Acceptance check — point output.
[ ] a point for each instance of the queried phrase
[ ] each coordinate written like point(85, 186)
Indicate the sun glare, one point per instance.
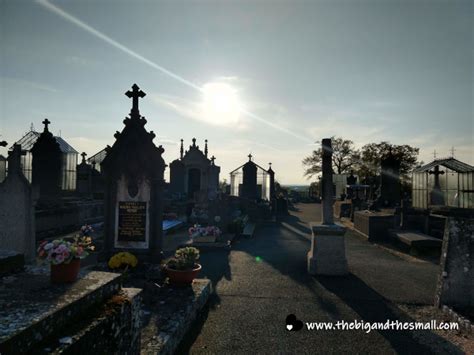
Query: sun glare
point(221, 104)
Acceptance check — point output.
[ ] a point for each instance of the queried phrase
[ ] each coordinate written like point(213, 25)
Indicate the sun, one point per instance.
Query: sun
point(221, 104)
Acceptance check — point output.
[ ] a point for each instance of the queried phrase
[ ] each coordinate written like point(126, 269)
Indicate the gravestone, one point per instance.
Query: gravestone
point(84, 178)
point(436, 195)
point(177, 173)
point(327, 255)
point(17, 217)
point(351, 180)
point(133, 170)
point(249, 183)
point(46, 165)
point(390, 192)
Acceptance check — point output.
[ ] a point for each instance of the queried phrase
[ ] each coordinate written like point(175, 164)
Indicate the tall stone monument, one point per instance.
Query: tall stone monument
point(17, 217)
point(46, 165)
point(133, 170)
point(249, 183)
point(390, 190)
point(327, 255)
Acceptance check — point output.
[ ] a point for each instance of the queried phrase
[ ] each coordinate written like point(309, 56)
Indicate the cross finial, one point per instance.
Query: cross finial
point(3, 143)
point(270, 164)
point(83, 157)
point(194, 142)
point(46, 123)
point(250, 157)
point(452, 152)
point(205, 148)
point(212, 159)
point(134, 94)
point(181, 151)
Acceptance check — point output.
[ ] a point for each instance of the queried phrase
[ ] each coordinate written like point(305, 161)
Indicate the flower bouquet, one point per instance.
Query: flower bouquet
point(204, 234)
point(64, 256)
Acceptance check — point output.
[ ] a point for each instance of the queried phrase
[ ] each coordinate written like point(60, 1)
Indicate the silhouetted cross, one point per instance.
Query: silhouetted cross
point(83, 157)
point(250, 157)
point(46, 122)
point(3, 143)
point(194, 142)
point(212, 159)
point(135, 94)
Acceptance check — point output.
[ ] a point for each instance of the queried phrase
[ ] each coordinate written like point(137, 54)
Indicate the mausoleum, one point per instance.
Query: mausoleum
point(443, 182)
point(194, 171)
point(251, 181)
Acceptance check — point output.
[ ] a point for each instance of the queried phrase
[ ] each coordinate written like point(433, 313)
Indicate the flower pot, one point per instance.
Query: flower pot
point(183, 277)
point(65, 273)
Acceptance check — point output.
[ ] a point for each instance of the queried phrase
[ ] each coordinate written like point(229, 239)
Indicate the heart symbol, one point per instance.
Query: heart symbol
point(292, 323)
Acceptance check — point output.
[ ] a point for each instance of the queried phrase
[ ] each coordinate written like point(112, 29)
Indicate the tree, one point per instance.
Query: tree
point(344, 158)
point(373, 153)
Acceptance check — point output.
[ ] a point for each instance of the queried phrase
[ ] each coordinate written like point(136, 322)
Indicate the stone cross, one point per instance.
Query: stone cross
point(83, 155)
point(181, 151)
point(14, 160)
point(135, 94)
point(328, 201)
point(46, 122)
point(212, 159)
point(270, 166)
point(436, 172)
point(194, 142)
point(250, 157)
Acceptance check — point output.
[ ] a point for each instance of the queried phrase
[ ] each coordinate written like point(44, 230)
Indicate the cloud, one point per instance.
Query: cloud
point(27, 84)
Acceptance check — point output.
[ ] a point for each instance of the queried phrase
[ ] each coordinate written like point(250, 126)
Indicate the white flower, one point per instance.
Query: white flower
point(48, 246)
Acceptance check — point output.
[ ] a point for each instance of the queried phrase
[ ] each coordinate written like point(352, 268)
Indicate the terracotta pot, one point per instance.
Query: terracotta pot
point(65, 273)
point(183, 277)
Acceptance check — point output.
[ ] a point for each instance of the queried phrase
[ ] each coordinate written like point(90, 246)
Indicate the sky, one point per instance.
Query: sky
point(271, 78)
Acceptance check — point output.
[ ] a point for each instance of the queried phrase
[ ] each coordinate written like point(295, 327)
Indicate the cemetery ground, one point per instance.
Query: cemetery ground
point(263, 279)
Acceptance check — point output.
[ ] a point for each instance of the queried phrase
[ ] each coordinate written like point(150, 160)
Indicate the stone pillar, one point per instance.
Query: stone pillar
point(17, 211)
point(327, 255)
point(456, 278)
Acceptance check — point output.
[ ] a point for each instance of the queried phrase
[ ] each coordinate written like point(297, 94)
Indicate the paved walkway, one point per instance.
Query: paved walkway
point(262, 280)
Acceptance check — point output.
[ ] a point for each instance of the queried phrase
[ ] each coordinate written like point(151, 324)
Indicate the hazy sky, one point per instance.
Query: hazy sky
point(290, 73)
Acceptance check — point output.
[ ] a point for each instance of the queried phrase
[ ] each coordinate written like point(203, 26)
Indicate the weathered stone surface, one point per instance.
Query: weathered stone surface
point(114, 328)
point(456, 279)
point(17, 219)
point(171, 316)
point(328, 254)
point(31, 308)
point(374, 225)
point(11, 261)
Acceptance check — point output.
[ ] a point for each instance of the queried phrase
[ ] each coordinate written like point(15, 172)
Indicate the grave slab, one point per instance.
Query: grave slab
point(31, 308)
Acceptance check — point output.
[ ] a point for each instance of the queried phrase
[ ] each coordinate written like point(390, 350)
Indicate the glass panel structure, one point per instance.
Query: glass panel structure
point(263, 182)
point(69, 159)
point(456, 182)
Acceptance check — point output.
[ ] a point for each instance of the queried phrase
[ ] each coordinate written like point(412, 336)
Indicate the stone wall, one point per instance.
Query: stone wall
point(456, 279)
point(67, 218)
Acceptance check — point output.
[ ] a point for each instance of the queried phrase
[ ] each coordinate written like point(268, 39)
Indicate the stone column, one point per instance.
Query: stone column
point(327, 255)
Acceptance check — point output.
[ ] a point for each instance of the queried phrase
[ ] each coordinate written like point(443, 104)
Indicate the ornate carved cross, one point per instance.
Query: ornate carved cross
point(135, 94)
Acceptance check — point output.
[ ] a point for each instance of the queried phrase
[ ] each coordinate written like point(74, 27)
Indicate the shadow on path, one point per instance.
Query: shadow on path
point(372, 307)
